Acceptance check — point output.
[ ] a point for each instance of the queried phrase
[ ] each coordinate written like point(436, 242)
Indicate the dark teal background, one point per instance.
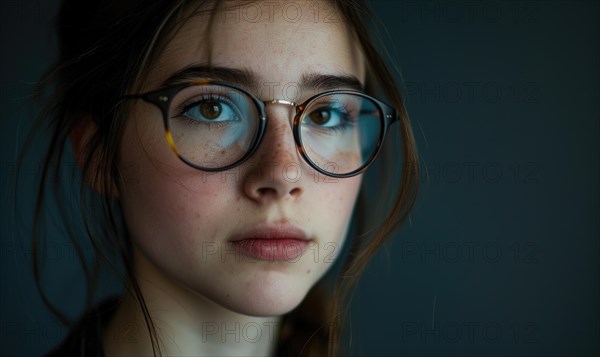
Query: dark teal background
point(503, 254)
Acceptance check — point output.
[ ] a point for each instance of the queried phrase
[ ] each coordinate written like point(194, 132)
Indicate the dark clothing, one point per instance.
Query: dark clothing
point(86, 338)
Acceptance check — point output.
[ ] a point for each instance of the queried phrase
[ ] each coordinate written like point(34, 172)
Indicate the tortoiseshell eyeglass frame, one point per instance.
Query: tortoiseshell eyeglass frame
point(162, 99)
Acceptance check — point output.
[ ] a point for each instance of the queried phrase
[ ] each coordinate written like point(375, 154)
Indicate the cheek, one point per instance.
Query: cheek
point(331, 210)
point(165, 205)
point(161, 196)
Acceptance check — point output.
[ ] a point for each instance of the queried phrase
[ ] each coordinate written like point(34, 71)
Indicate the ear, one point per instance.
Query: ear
point(81, 134)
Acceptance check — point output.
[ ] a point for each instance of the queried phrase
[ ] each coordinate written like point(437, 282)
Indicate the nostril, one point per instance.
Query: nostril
point(295, 192)
point(270, 191)
point(267, 191)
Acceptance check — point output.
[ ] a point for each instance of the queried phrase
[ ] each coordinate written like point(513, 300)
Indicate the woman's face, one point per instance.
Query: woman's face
point(256, 238)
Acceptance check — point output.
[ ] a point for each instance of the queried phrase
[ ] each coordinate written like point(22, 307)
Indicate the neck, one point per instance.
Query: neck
point(186, 323)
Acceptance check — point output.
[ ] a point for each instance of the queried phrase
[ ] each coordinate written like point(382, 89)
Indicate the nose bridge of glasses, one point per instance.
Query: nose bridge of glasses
point(280, 101)
point(284, 102)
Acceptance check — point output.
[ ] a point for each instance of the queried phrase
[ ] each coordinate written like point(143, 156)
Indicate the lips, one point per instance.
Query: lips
point(269, 242)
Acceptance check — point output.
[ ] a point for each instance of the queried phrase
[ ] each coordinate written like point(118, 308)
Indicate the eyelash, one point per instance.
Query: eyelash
point(346, 119)
point(190, 103)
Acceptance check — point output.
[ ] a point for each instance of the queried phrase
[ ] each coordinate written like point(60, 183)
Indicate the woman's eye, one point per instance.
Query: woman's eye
point(327, 118)
point(320, 117)
point(211, 110)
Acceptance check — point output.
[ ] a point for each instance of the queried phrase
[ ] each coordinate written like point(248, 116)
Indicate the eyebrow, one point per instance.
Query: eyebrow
point(319, 81)
point(249, 79)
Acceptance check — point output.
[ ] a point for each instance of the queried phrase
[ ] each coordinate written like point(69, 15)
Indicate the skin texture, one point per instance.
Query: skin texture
point(181, 220)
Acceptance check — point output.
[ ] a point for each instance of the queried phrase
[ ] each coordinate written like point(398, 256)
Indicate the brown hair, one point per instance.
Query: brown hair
point(105, 47)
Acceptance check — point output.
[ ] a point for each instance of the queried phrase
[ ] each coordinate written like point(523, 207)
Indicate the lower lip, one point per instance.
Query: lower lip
point(272, 249)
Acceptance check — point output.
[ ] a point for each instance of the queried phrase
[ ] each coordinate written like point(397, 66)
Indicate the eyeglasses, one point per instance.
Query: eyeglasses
point(215, 126)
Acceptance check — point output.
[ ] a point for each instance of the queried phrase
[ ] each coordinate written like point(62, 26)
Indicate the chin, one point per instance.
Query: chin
point(274, 296)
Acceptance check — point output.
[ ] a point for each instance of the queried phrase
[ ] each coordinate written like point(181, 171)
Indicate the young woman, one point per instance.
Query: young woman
point(225, 144)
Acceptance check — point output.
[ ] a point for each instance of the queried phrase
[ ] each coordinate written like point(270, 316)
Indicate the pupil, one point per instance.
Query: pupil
point(320, 117)
point(210, 110)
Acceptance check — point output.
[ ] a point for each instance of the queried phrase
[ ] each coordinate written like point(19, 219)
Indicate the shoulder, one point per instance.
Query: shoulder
point(85, 339)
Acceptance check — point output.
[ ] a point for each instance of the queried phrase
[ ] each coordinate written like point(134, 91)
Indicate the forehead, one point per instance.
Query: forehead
point(277, 41)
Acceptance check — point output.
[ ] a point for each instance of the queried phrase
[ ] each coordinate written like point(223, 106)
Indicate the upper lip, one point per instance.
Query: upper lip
point(272, 231)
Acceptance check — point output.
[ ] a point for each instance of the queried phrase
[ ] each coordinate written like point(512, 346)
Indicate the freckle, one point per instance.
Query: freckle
point(228, 296)
point(308, 271)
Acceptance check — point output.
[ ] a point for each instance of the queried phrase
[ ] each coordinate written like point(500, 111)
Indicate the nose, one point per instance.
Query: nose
point(275, 170)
